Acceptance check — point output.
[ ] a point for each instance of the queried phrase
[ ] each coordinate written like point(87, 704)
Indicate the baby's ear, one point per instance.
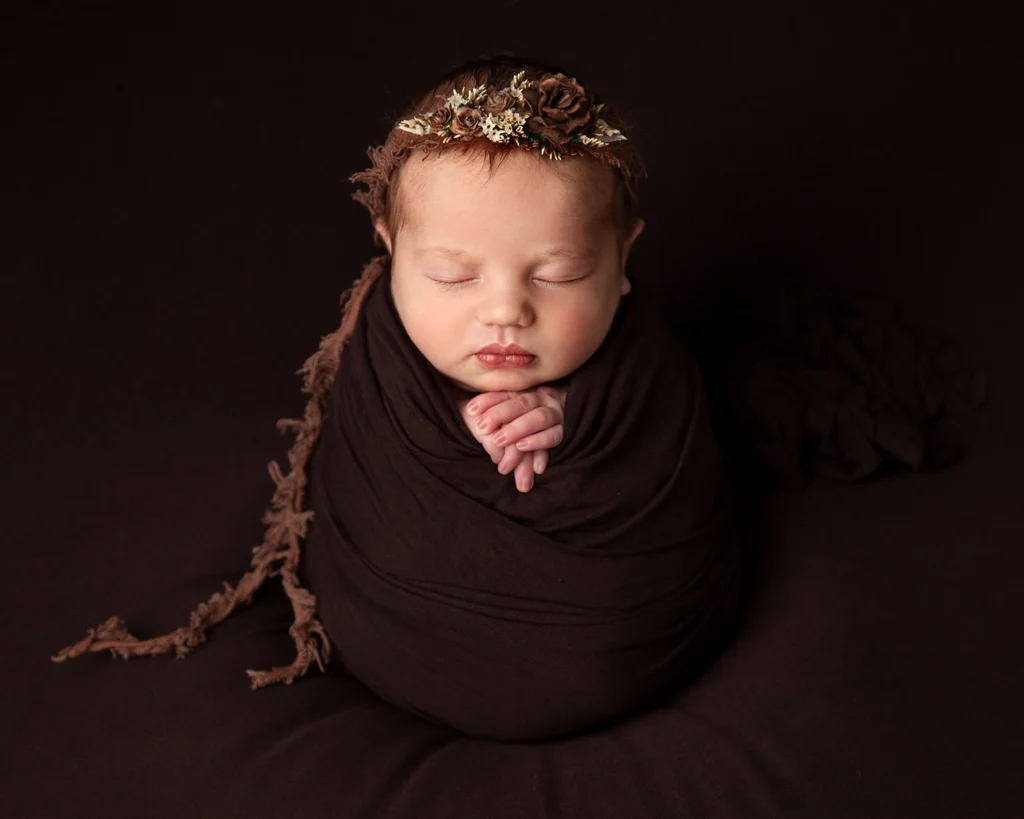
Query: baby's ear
point(382, 230)
point(638, 227)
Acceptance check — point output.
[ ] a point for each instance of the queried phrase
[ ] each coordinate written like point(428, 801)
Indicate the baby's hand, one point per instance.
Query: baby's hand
point(518, 428)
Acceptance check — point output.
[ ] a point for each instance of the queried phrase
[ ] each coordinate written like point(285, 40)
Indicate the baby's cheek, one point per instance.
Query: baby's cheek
point(579, 333)
point(436, 336)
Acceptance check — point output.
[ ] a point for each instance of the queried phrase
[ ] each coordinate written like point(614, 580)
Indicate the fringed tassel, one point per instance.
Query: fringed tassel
point(287, 523)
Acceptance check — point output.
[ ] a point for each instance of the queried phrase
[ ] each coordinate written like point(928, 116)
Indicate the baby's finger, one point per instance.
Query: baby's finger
point(545, 439)
point(493, 449)
point(540, 461)
point(496, 452)
point(524, 474)
point(511, 459)
point(483, 402)
point(520, 403)
point(535, 420)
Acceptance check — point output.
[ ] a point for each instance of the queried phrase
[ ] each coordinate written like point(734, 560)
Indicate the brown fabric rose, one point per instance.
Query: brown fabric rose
point(466, 121)
point(560, 107)
point(497, 102)
point(439, 118)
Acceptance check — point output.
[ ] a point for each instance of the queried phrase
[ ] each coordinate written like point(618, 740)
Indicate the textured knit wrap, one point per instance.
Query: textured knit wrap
point(510, 615)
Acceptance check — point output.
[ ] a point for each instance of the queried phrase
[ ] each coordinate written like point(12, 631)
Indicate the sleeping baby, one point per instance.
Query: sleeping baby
point(500, 319)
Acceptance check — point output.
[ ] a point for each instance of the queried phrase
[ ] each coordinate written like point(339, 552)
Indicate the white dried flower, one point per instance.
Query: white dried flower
point(413, 126)
point(605, 133)
point(515, 88)
point(477, 95)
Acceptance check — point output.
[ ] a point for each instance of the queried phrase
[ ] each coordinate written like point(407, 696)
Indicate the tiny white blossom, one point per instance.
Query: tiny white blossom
point(606, 133)
point(413, 126)
point(494, 129)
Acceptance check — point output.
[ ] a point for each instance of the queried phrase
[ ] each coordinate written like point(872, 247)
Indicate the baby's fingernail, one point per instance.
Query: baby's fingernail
point(540, 469)
point(473, 409)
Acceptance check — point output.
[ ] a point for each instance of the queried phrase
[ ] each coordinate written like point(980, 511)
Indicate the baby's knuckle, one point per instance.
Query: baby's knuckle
point(523, 401)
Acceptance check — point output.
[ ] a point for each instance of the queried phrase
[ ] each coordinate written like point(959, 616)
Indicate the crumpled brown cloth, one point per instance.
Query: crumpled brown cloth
point(522, 616)
point(806, 382)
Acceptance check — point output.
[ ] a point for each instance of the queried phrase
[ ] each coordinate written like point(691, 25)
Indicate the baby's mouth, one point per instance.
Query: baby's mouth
point(497, 360)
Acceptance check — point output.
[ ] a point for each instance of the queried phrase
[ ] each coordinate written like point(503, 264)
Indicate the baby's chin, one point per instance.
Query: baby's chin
point(499, 380)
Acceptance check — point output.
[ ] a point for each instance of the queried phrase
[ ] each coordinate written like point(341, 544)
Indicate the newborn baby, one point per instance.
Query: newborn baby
point(526, 254)
point(507, 203)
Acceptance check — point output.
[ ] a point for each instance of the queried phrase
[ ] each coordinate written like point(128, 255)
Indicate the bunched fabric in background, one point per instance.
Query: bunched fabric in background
point(836, 383)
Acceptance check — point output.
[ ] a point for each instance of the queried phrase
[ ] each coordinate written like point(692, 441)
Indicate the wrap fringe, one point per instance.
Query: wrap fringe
point(287, 523)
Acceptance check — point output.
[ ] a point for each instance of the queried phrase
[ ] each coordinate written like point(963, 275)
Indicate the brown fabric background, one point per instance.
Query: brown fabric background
point(180, 233)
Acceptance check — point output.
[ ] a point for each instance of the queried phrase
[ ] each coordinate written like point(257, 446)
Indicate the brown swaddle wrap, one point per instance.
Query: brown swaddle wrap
point(521, 615)
point(450, 593)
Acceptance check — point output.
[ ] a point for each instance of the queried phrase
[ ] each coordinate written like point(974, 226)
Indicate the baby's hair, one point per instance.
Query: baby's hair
point(286, 518)
point(383, 177)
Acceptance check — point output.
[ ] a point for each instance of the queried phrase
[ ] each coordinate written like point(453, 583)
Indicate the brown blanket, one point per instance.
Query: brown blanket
point(509, 615)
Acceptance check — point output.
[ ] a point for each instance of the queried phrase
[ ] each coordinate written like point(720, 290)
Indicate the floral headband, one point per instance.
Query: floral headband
point(555, 111)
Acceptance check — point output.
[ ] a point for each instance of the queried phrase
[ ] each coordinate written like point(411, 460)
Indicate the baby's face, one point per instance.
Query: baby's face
point(532, 255)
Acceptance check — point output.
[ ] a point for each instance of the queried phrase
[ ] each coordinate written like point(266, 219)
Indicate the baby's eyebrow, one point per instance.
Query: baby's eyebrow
point(449, 252)
point(577, 253)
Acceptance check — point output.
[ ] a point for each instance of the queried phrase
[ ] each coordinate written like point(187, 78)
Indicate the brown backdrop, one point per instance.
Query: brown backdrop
point(179, 230)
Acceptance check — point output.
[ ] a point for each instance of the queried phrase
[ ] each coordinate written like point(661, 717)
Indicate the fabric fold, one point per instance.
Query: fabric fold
point(806, 383)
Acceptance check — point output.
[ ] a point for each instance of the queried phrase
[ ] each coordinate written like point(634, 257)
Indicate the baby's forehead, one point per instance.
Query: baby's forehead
point(519, 167)
point(576, 188)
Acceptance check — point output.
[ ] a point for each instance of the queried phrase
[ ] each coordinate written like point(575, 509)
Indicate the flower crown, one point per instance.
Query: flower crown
point(554, 111)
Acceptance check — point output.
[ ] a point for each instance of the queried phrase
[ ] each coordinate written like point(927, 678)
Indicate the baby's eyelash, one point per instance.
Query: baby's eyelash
point(454, 285)
point(448, 285)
